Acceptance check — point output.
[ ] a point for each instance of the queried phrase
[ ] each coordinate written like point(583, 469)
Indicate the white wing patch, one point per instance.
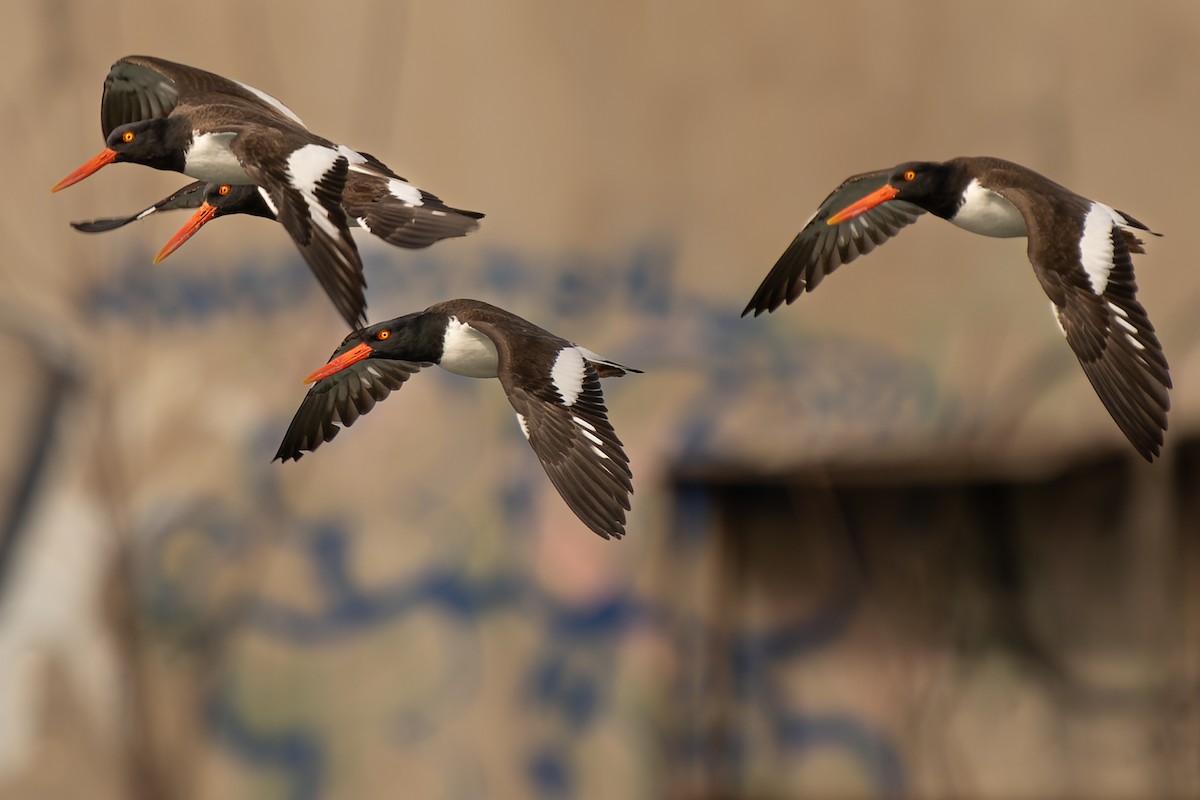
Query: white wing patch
point(306, 167)
point(355, 158)
point(1096, 246)
point(1057, 318)
point(266, 196)
point(521, 422)
point(596, 358)
point(587, 429)
point(273, 103)
point(404, 192)
point(1122, 319)
point(567, 374)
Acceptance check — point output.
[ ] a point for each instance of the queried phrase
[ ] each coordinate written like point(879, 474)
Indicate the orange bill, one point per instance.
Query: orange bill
point(103, 160)
point(875, 198)
point(351, 356)
point(203, 214)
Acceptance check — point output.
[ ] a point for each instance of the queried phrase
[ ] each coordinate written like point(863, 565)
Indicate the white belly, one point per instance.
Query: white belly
point(466, 351)
point(209, 159)
point(987, 213)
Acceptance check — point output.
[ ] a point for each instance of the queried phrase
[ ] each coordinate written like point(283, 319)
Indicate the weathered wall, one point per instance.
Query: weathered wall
point(413, 609)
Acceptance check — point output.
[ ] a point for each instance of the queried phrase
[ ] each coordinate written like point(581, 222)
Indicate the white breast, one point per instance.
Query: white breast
point(987, 213)
point(466, 351)
point(208, 158)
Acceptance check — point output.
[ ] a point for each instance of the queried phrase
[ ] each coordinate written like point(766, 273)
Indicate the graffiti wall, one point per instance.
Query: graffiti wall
point(884, 542)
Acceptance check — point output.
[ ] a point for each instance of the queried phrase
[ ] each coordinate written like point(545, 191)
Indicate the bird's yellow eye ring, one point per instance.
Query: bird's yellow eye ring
point(909, 175)
point(223, 189)
point(383, 335)
point(127, 136)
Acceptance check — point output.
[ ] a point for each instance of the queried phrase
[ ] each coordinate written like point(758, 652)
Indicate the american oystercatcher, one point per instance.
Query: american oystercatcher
point(553, 385)
point(384, 207)
point(174, 117)
point(1080, 250)
point(391, 208)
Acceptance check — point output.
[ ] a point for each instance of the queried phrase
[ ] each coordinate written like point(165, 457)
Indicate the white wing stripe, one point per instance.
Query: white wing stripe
point(266, 196)
point(1096, 246)
point(355, 158)
point(1126, 324)
point(567, 374)
point(1058, 318)
point(404, 192)
point(306, 167)
point(271, 101)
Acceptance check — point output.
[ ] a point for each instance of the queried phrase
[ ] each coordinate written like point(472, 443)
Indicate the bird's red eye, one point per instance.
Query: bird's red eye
point(127, 136)
point(223, 189)
point(383, 335)
point(908, 176)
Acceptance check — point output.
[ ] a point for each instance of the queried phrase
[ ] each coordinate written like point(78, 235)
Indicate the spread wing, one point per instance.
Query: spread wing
point(402, 214)
point(144, 87)
point(337, 401)
point(190, 196)
point(555, 390)
point(1089, 279)
point(821, 248)
point(305, 187)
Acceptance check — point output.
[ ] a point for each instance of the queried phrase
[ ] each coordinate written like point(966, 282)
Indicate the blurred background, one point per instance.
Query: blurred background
point(885, 542)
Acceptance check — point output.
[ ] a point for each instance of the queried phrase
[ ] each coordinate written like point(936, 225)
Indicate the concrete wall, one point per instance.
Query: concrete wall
point(413, 610)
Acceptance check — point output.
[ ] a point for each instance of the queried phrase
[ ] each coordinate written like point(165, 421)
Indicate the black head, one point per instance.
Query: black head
point(237, 199)
point(932, 185)
point(147, 142)
point(220, 199)
point(413, 337)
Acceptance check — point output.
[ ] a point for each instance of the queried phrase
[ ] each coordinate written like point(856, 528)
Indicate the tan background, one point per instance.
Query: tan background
point(885, 542)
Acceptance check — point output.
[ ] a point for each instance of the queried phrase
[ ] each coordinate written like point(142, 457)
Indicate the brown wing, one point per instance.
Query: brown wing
point(402, 214)
point(821, 248)
point(1108, 330)
point(569, 431)
point(190, 196)
point(144, 87)
point(307, 195)
point(337, 401)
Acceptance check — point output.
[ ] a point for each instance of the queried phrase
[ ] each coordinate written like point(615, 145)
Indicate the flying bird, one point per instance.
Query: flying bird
point(552, 384)
point(1080, 250)
point(382, 206)
point(179, 118)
